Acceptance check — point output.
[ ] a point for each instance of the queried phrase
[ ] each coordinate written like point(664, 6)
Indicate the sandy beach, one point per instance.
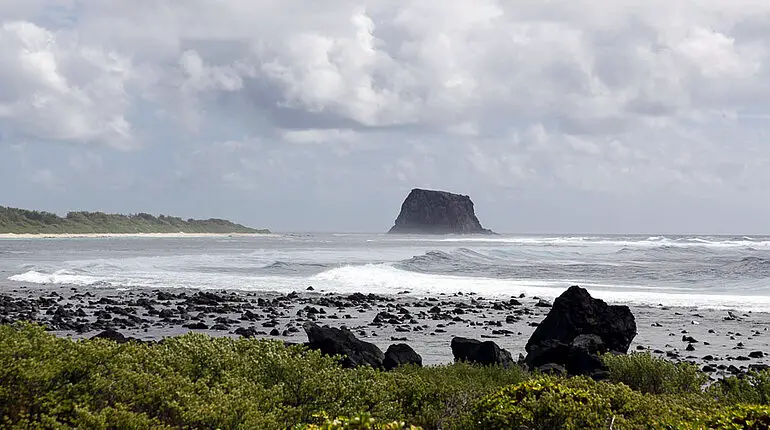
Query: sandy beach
point(721, 343)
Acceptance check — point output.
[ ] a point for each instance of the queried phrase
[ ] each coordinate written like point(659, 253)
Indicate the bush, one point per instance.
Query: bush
point(581, 403)
point(358, 422)
point(198, 381)
point(191, 380)
point(542, 404)
point(652, 375)
point(442, 396)
point(195, 381)
point(751, 388)
point(747, 417)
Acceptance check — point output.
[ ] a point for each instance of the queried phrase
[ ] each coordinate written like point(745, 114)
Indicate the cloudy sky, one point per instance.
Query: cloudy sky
point(583, 116)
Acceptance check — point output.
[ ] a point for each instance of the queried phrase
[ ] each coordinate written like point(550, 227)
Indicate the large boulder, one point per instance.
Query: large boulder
point(333, 341)
point(437, 212)
point(575, 312)
point(475, 351)
point(401, 354)
point(576, 330)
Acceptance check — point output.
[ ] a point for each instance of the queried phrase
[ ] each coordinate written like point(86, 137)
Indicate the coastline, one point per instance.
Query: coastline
point(126, 235)
point(711, 339)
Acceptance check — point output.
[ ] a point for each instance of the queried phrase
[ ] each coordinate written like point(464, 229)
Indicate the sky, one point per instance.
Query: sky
point(588, 116)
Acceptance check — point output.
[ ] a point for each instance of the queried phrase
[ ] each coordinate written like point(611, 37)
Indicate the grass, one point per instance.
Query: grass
point(22, 221)
point(196, 381)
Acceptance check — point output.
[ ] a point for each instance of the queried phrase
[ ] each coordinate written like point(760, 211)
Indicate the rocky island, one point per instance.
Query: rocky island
point(22, 221)
point(437, 212)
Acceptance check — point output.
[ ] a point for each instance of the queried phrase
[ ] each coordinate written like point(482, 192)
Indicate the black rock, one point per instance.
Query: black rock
point(333, 341)
point(756, 354)
point(578, 359)
point(164, 296)
point(437, 212)
point(246, 332)
point(552, 369)
point(112, 335)
point(400, 354)
point(575, 312)
point(475, 351)
point(196, 326)
point(577, 329)
point(589, 343)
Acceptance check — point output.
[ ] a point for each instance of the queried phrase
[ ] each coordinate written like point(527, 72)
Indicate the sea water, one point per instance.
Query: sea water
point(705, 271)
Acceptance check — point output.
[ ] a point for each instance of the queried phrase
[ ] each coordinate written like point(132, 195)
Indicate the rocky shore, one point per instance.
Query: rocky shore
point(404, 326)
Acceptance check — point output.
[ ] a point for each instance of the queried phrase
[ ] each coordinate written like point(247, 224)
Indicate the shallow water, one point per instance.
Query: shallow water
point(705, 271)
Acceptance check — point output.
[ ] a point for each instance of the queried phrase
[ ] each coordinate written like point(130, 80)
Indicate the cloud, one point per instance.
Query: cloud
point(57, 90)
point(613, 99)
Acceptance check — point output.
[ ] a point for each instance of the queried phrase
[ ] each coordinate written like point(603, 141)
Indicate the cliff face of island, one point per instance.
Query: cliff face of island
point(437, 212)
point(22, 221)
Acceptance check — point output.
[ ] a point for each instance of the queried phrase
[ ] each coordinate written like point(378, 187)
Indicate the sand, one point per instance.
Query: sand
point(721, 340)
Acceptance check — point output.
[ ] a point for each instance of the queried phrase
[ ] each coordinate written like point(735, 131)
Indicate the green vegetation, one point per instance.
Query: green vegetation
point(652, 375)
point(195, 381)
point(22, 221)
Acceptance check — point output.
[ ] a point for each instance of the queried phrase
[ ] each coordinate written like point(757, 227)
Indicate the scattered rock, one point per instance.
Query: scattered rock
point(575, 312)
point(196, 326)
point(577, 329)
point(475, 351)
point(246, 332)
point(400, 354)
point(332, 341)
point(112, 335)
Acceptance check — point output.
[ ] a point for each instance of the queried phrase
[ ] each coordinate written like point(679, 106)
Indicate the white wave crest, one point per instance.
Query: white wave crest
point(58, 277)
point(385, 279)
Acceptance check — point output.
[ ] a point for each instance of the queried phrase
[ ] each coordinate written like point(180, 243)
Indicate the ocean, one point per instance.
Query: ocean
point(715, 272)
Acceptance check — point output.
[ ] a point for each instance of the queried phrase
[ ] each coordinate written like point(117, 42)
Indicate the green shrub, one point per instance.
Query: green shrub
point(442, 396)
point(747, 417)
point(542, 404)
point(581, 403)
point(358, 422)
point(196, 381)
point(753, 388)
point(192, 380)
point(648, 374)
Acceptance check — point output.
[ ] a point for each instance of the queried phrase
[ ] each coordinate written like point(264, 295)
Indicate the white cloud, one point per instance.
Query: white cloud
point(55, 89)
point(616, 97)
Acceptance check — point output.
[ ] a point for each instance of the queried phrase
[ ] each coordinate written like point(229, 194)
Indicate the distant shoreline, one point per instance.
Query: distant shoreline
point(24, 223)
point(124, 235)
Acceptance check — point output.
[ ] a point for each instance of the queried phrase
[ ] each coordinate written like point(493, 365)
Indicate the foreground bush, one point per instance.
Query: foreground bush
point(648, 374)
point(198, 381)
point(740, 417)
point(753, 388)
point(581, 403)
point(195, 381)
point(442, 396)
point(359, 422)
